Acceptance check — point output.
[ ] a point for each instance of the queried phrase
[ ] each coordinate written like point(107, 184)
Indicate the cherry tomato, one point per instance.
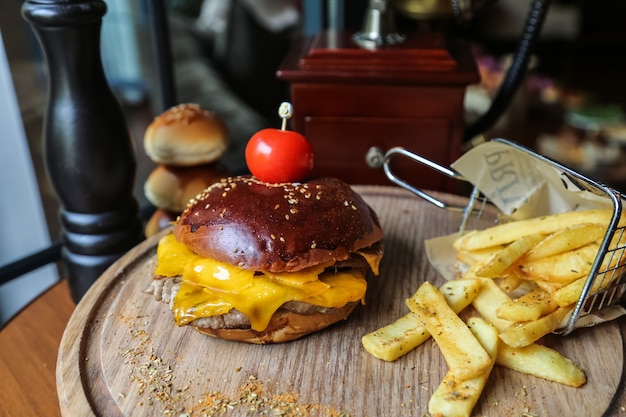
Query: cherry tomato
point(276, 156)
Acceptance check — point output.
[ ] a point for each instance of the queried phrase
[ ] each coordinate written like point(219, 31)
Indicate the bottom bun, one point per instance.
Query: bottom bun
point(283, 327)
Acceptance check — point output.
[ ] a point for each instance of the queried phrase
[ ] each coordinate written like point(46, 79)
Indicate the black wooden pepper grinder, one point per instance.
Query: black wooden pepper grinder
point(89, 153)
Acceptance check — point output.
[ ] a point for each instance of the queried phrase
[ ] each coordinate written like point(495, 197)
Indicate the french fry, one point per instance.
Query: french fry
point(542, 362)
point(491, 297)
point(479, 256)
point(464, 355)
point(567, 239)
point(487, 302)
point(565, 267)
point(396, 339)
point(529, 306)
point(551, 287)
point(508, 232)
point(458, 294)
point(509, 255)
point(455, 397)
point(569, 294)
point(470, 273)
point(523, 334)
point(511, 281)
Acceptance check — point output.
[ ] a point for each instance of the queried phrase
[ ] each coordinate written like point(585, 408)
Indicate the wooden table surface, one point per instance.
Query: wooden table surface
point(29, 345)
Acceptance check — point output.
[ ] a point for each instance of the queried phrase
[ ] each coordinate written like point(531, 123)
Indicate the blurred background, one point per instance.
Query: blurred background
point(569, 105)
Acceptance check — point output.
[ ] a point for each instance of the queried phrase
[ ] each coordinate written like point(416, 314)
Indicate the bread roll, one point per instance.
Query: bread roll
point(171, 188)
point(186, 135)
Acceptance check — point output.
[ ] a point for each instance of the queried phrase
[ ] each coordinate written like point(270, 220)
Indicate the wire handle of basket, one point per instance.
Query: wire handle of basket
point(376, 158)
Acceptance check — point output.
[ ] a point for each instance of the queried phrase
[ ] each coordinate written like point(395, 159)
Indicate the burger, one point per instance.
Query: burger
point(262, 262)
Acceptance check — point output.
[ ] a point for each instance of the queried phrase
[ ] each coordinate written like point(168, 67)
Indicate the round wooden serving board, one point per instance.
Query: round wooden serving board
point(122, 354)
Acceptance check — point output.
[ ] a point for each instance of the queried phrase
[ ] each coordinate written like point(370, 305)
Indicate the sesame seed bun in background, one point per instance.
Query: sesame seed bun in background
point(186, 135)
point(271, 262)
point(171, 187)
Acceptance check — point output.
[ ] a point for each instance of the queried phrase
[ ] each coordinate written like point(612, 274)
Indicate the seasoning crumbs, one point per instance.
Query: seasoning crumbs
point(155, 386)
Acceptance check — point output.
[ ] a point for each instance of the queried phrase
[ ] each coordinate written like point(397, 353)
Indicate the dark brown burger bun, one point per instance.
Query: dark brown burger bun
point(186, 135)
point(278, 227)
point(171, 187)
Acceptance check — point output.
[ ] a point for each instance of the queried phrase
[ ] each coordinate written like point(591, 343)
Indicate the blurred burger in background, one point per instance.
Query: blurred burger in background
point(187, 142)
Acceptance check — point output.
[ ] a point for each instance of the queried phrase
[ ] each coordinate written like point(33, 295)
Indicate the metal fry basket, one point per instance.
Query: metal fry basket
point(605, 285)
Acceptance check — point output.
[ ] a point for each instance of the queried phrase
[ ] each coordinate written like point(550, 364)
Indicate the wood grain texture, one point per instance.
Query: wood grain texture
point(122, 354)
point(28, 354)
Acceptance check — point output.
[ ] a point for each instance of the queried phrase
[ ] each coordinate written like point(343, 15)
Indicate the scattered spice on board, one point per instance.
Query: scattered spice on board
point(151, 375)
point(524, 407)
point(254, 398)
point(156, 387)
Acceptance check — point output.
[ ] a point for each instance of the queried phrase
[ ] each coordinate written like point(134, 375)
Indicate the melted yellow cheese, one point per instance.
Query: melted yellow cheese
point(373, 260)
point(212, 288)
